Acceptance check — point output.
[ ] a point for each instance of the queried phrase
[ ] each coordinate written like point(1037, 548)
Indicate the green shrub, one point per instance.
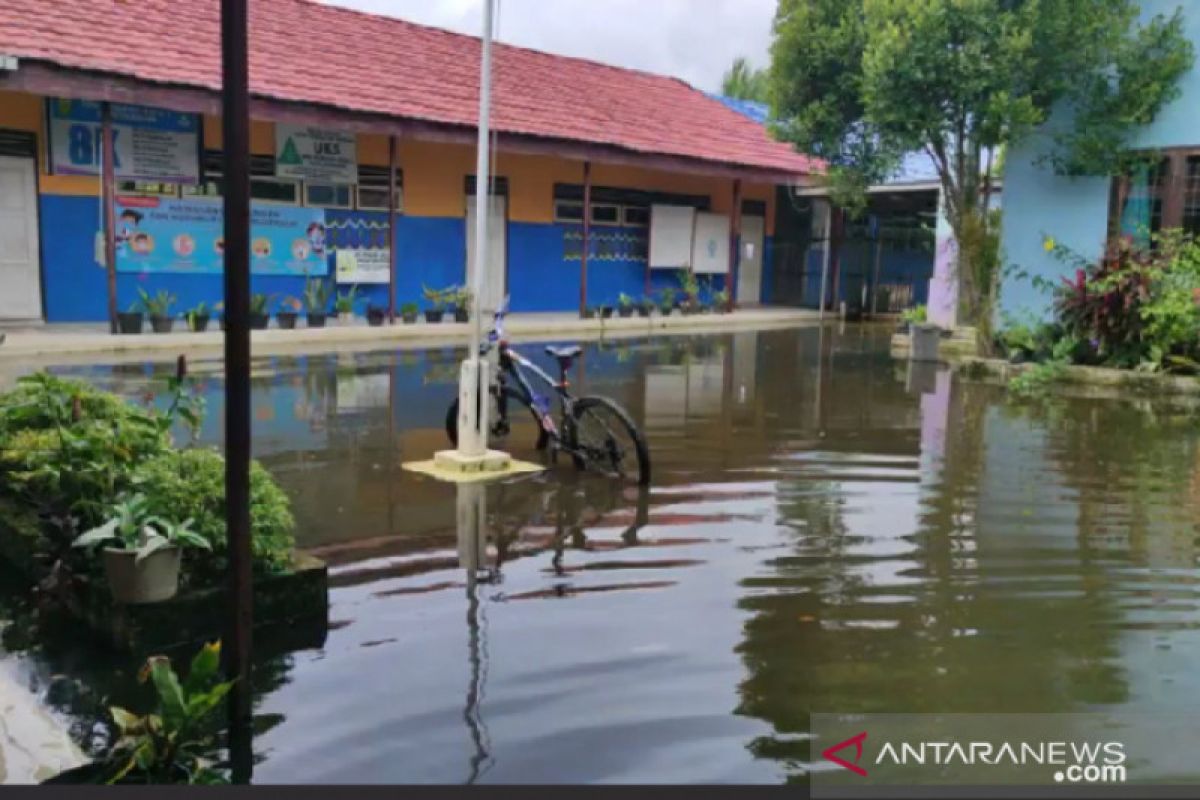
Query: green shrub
point(187, 484)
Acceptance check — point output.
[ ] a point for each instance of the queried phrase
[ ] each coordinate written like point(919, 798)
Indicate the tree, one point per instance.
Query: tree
point(745, 82)
point(860, 83)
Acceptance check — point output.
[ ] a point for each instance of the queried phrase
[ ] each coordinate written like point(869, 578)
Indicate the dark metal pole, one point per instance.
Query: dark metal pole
point(878, 263)
point(392, 229)
point(587, 233)
point(735, 241)
point(108, 198)
point(236, 127)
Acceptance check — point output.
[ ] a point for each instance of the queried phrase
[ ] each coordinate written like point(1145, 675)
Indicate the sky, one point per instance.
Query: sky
point(695, 40)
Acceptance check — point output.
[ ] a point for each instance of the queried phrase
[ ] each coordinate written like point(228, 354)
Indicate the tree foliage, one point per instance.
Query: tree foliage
point(745, 82)
point(862, 82)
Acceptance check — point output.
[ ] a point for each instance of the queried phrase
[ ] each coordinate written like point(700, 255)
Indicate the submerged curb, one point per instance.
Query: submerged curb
point(41, 344)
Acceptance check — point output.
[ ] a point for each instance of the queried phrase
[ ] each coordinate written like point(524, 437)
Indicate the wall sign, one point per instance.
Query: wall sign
point(315, 154)
point(150, 144)
point(710, 244)
point(167, 235)
point(359, 240)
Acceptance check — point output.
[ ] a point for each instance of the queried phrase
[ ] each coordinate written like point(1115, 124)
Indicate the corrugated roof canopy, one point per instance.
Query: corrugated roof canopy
point(303, 52)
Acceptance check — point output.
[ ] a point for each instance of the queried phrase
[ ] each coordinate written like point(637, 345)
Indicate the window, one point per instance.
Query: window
point(605, 214)
point(264, 186)
point(373, 188)
point(330, 195)
point(635, 217)
point(1191, 196)
point(568, 211)
point(147, 189)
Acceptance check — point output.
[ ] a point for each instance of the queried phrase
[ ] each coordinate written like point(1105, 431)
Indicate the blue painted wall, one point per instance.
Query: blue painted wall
point(1074, 212)
point(543, 275)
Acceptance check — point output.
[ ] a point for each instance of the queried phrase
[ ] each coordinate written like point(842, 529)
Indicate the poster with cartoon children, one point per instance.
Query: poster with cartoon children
point(187, 236)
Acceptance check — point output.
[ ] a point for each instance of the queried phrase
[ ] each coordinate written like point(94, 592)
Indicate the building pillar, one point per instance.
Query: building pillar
point(735, 246)
point(391, 212)
point(108, 190)
point(587, 231)
point(942, 308)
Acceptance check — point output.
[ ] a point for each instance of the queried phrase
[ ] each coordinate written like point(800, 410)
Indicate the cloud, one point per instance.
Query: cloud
point(695, 40)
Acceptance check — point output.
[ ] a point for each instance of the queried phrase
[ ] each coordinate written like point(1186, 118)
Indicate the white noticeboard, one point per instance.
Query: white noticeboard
point(671, 236)
point(315, 154)
point(710, 244)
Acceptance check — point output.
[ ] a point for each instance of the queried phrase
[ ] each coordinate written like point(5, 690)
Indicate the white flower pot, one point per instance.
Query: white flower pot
point(153, 580)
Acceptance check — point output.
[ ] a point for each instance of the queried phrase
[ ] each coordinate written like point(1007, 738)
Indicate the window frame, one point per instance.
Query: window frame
point(567, 219)
point(138, 189)
point(616, 210)
point(351, 194)
point(625, 223)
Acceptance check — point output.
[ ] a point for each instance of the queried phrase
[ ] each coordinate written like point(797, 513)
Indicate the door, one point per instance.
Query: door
point(749, 285)
point(20, 278)
point(495, 279)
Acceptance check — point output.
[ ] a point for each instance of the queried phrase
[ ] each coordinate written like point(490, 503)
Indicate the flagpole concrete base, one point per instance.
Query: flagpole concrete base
point(454, 467)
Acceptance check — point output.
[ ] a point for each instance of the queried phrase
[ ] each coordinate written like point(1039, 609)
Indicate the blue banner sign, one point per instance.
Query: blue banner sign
point(187, 236)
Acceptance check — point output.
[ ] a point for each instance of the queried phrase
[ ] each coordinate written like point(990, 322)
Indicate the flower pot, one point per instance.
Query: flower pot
point(605, 312)
point(433, 315)
point(287, 319)
point(161, 324)
point(316, 319)
point(129, 321)
point(644, 311)
point(259, 322)
point(375, 317)
point(462, 315)
point(625, 312)
point(924, 344)
point(154, 579)
point(409, 317)
point(589, 313)
point(198, 323)
point(666, 310)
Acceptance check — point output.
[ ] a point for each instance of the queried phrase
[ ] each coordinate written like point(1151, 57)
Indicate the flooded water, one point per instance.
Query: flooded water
point(825, 532)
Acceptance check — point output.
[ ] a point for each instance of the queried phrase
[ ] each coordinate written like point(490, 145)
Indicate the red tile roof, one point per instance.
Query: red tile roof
point(302, 51)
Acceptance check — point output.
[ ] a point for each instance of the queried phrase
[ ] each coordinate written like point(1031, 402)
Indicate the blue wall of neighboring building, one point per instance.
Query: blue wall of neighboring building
point(542, 275)
point(1074, 211)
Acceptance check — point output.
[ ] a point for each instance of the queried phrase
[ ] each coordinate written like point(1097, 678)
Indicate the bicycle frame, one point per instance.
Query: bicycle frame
point(512, 363)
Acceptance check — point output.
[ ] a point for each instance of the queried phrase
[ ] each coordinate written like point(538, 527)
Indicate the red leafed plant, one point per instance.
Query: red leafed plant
point(1102, 305)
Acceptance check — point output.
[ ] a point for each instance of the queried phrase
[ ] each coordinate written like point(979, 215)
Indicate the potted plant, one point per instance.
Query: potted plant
point(666, 303)
point(720, 301)
point(624, 305)
point(645, 306)
point(158, 308)
point(589, 312)
point(606, 311)
point(197, 318)
point(260, 313)
point(142, 552)
point(343, 306)
point(288, 315)
point(316, 301)
point(462, 303)
point(912, 317)
point(131, 321)
point(375, 315)
point(409, 312)
point(437, 303)
point(690, 287)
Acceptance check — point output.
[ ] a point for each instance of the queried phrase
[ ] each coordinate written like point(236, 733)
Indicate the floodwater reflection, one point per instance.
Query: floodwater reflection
point(828, 530)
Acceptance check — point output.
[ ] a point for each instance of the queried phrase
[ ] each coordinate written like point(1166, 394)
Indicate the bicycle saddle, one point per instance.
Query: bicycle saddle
point(564, 355)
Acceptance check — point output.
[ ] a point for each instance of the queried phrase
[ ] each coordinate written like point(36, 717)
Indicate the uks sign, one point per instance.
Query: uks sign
point(315, 154)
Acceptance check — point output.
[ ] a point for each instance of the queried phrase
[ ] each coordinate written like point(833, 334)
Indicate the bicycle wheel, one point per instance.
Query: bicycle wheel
point(606, 440)
point(502, 430)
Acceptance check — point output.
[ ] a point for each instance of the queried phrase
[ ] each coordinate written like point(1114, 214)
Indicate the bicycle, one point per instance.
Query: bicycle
point(595, 431)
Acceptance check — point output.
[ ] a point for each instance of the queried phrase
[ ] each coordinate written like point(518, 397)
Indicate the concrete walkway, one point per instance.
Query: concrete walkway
point(33, 745)
point(92, 342)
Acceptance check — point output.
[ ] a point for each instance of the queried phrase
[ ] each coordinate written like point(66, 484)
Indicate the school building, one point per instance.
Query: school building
point(608, 180)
